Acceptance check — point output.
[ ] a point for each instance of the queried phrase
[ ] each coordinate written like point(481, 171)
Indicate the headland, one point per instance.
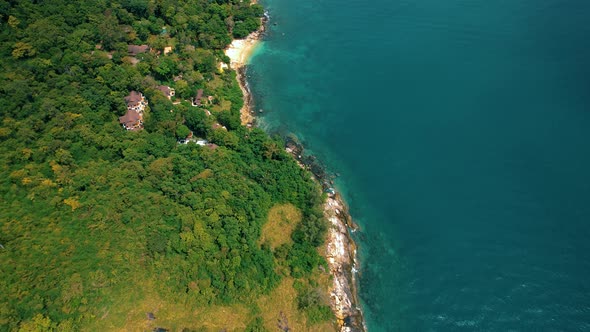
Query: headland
point(340, 249)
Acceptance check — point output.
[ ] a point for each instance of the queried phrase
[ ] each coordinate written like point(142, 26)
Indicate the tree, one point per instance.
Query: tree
point(183, 90)
point(198, 121)
point(21, 50)
point(166, 67)
point(108, 29)
point(97, 212)
point(38, 323)
point(182, 131)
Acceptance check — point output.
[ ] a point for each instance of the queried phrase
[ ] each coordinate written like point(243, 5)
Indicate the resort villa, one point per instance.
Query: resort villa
point(167, 91)
point(133, 118)
point(198, 97)
point(134, 50)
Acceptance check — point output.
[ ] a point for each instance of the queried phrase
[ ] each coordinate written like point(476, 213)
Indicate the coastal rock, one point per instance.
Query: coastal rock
point(340, 253)
point(340, 247)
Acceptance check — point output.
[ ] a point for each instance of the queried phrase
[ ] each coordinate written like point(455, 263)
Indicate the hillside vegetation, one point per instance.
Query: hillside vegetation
point(100, 225)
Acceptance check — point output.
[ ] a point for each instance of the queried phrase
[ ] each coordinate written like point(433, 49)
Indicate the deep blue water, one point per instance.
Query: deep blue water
point(461, 130)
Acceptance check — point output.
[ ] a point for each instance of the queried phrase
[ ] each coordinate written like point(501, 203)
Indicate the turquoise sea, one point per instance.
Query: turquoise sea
point(461, 133)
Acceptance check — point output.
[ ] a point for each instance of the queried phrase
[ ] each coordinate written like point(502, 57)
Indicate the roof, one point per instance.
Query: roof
point(199, 96)
point(136, 49)
point(134, 97)
point(165, 89)
point(130, 118)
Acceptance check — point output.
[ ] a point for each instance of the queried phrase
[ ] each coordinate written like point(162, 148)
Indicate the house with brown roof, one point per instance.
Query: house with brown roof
point(134, 50)
point(133, 118)
point(168, 91)
point(198, 97)
point(136, 101)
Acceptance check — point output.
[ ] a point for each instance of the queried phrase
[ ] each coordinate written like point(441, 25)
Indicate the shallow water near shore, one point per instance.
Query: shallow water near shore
point(461, 131)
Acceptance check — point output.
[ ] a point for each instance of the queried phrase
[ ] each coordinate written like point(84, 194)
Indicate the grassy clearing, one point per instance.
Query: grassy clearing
point(224, 105)
point(129, 313)
point(282, 219)
point(283, 299)
point(216, 83)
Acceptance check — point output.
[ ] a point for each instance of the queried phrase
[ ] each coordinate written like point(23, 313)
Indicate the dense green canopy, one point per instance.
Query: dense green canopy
point(90, 212)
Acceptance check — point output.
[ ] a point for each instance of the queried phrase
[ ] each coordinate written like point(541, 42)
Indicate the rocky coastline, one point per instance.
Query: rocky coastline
point(340, 247)
point(341, 256)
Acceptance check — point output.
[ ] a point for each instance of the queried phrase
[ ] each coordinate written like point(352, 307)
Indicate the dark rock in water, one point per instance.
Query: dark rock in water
point(351, 314)
point(318, 169)
point(362, 236)
point(353, 324)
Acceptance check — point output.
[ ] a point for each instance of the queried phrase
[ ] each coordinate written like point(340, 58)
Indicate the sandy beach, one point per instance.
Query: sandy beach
point(239, 51)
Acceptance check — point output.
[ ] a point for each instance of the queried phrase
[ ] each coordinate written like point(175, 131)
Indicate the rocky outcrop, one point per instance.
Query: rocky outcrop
point(340, 247)
point(341, 253)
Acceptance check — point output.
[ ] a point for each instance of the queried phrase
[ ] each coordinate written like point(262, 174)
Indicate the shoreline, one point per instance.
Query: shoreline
point(342, 259)
point(340, 247)
point(239, 52)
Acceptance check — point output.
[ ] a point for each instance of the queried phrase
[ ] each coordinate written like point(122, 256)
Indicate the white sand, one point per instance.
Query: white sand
point(239, 52)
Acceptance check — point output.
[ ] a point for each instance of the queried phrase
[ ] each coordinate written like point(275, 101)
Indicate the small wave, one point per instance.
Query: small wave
point(466, 323)
point(536, 311)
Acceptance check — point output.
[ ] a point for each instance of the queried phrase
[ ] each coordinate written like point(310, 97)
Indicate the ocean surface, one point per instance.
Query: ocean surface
point(461, 133)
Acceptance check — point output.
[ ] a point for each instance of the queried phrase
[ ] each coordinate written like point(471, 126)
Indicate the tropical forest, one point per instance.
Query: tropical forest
point(131, 197)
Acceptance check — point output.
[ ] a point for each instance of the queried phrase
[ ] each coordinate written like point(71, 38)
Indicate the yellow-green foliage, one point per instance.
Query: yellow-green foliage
point(224, 105)
point(281, 302)
point(99, 225)
point(282, 219)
